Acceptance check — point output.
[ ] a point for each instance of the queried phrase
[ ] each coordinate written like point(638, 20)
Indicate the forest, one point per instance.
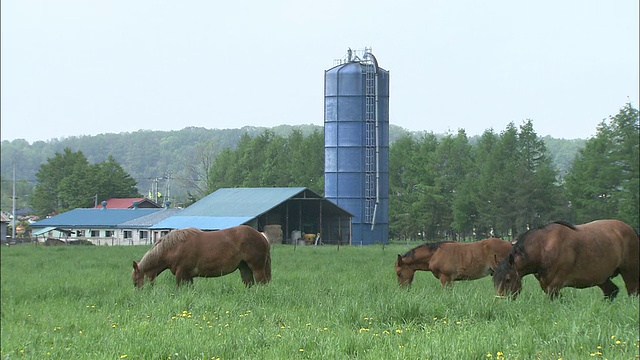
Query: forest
point(441, 185)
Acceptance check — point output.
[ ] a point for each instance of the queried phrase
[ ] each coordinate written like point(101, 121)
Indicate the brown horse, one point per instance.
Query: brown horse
point(190, 253)
point(451, 261)
point(563, 255)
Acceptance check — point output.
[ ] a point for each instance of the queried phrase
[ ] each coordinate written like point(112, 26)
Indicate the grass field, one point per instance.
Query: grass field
point(323, 303)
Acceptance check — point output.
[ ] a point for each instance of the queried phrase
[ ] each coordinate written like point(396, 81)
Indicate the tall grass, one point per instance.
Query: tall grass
point(323, 302)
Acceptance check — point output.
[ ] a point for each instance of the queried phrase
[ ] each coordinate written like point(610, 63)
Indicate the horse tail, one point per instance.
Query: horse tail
point(267, 262)
point(267, 267)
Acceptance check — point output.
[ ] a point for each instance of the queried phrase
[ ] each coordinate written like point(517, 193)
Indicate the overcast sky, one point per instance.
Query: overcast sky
point(88, 67)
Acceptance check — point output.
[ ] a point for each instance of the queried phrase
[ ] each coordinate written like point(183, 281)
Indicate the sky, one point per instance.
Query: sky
point(72, 68)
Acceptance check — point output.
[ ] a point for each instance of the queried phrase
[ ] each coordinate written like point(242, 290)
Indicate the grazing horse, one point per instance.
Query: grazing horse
point(563, 255)
point(190, 253)
point(451, 261)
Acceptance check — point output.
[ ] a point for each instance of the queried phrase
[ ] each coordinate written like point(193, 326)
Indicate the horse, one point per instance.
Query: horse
point(450, 261)
point(581, 256)
point(191, 252)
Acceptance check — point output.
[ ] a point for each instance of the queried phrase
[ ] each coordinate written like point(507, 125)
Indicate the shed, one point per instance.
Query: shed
point(293, 208)
point(52, 231)
point(4, 222)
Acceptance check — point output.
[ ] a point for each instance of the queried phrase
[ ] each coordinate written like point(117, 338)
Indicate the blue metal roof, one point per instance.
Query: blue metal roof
point(241, 201)
point(94, 217)
point(146, 221)
point(220, 210)
point(202, 222)
point(230, 207)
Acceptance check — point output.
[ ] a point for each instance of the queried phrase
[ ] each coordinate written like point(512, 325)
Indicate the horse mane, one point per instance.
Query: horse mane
point(166, 242)
point(564, 223)
point(518, 247)
point(431, 246)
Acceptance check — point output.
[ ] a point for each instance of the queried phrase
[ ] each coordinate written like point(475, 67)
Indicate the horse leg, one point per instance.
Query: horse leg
point(267, 268)
point(182, 277)
point(261, 272)
point(445, 281)
point(631, 282)
point(246, 274)
point(609, 289)
point(552, 290)
point(260, 276)
point(553, 293)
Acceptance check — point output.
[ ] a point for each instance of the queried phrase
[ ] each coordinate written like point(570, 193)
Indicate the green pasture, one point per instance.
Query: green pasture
point(324, 302)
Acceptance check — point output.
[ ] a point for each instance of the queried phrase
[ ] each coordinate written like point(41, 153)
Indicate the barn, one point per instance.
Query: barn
point(296, 211)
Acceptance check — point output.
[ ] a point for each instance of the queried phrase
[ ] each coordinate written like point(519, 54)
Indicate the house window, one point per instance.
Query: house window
point(80, 233)
point(128, 234)
point(108, 233)
point(163, 233)
point(144, 234)
point(95, 233)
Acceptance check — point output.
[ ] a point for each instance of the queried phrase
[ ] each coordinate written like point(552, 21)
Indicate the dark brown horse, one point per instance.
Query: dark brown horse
point(563, 255)
point(190, 253)
point(451, 261)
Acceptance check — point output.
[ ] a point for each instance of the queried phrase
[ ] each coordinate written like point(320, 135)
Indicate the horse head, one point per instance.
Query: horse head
point(137, 276)
point(404, 272)
point(506, 279)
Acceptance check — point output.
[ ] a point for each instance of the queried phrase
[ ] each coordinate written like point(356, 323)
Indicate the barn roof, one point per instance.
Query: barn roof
point(241, 201)
point(146, 221)
point(222, 209)
point(94, 217)
point(235, 206)
point(202, 222)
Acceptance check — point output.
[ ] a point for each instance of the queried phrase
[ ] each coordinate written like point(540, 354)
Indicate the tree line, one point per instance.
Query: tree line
point(178, 160)
point(506, 183)
point(448, 186)
point(445, 187)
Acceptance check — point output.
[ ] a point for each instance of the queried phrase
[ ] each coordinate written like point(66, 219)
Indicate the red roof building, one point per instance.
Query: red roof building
point(128, 203)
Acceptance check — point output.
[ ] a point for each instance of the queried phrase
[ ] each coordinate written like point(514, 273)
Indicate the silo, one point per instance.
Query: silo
point(356, 152)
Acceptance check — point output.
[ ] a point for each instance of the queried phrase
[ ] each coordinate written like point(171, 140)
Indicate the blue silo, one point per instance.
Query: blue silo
point(356, 144)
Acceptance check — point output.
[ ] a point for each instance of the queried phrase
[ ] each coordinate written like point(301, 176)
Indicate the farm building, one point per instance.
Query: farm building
point(4, 224)
point(104, 226)
point(290, 215)
point(130, 203)
point(296, 211)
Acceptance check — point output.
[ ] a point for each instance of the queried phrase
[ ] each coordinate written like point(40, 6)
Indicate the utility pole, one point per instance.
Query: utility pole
point(13, 221)
point(167, 192)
